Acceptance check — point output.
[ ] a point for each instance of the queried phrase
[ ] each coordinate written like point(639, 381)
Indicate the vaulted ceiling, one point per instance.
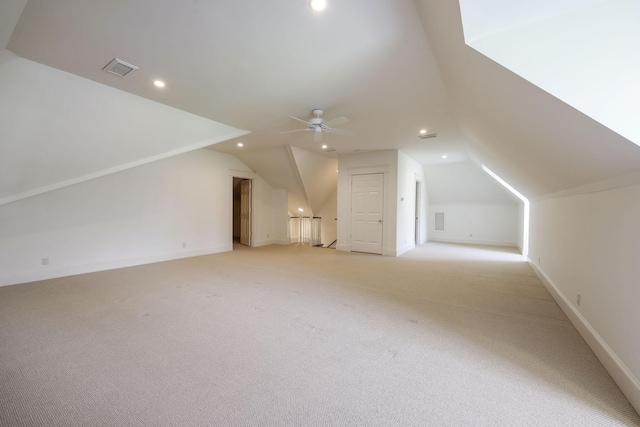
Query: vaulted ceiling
point(236, 71)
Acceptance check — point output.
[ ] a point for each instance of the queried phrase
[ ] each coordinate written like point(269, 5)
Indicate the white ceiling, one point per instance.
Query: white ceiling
point(58, 129)
point(392, 67)
point(251, 64)
point(486, 17)
point(585, 55)
point(536, 142)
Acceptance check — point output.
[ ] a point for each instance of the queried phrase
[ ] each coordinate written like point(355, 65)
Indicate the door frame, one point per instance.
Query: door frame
point(418, 213)
point(368, 213)
point(242, 175)
point(390, 217)
point(249, 202)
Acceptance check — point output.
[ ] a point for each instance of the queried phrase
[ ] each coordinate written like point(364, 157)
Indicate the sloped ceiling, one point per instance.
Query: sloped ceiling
point(11, 11)
point(319, 176)
point(277, 167)
point(309, 178)
point(585, 55)
point(536, 142)
point(59, 129)
point(464, 182)
point(251, 64)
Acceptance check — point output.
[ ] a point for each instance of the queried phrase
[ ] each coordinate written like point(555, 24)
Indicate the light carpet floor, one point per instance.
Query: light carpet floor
point(446, 335)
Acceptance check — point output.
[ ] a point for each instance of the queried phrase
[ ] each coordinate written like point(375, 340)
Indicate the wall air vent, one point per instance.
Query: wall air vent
point(439, 221)
point(119, 68)
point(428, 135)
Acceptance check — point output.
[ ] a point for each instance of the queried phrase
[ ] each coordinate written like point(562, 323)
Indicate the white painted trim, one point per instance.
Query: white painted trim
point(237, 173)
point(272, 242)
point(52, 273)
point(620, 373)
point(626, 180)
point(368, 170)
point(436, 238)
point(371, 170)
point(120, 168)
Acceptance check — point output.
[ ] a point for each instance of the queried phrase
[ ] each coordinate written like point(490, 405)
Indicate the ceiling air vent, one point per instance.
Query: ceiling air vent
point(119, 67)
point(428, 135)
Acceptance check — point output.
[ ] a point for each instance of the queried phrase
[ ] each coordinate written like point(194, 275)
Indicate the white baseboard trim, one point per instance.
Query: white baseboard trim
point(620, 373)
point(54, 273)
point(471, 241)
point(272, 242)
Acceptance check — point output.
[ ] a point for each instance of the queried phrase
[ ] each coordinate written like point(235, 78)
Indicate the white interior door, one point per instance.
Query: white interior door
point(245, 212)
point(366, 213)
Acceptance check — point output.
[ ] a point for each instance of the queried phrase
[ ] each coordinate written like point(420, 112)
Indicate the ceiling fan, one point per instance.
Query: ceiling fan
point(318, 125)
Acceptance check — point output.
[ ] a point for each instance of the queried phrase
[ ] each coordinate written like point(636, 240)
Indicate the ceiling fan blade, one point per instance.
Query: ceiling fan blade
point(339, 121)
point(295, 130)
point(300, 120)
point(341, 131)
point(317, 136)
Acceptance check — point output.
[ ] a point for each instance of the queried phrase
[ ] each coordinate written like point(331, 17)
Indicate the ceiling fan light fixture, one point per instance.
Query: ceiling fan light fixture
point(318, 5)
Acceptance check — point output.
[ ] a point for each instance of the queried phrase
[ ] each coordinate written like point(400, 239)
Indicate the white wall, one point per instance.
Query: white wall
point(140, 215)
point(476, 223)
point(589, 244)
point(59, 129)
point(319, 177)
point(400, 175)
point(270, 214)
point(410, 171)
point(385, 162)
point(521, 225)
point(477, 209)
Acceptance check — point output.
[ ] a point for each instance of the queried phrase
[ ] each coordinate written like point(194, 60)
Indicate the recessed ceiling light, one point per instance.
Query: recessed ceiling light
point(318, 5)
point(240, 144)
point(324, 146)
point(444, 156)
point(300, 209)
point(158, 83)
point(423, 131)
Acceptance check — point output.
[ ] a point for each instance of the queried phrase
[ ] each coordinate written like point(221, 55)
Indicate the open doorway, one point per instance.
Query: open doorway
point(242, 211)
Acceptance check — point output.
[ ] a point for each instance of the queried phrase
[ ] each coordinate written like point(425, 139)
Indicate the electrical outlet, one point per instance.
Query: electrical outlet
point(184, 244)
point(267, 235)
point(470, 234)
point(539, 262)
point(578, 298)
point(45, 261)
